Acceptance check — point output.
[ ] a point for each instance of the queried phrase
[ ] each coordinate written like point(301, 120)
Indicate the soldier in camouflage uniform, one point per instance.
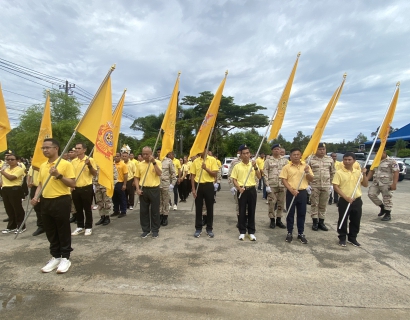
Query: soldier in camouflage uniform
point(168, 181)
point(323, 169)
point(274, 187)
point(385, 178)
point(103, 201)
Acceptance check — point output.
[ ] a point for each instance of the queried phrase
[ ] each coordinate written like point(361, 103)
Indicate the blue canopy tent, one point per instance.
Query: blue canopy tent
point(401, 134)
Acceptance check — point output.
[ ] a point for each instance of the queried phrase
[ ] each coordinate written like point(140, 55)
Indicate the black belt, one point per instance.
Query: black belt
point(150, 187)
point(87, 186)
point(248, 188)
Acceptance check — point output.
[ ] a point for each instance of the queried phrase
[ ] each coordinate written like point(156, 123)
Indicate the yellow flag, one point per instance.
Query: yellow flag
point(385, 128)
point(283, 103)
point(96, 125)
point(44, 133)
point(321, 125)
point(116, 121)
point(209, 121)
point(5, 127)
point(168, 124)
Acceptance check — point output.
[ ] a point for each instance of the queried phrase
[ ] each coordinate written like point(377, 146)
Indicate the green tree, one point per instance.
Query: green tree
point(360, 139)
point(400, 144)
point(149, 125)
point(404, 153)
point(251, 138)
point(282, 141)
point(300, 141)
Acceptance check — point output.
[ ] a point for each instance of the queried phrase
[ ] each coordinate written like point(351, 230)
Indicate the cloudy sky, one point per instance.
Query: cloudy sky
point(257, 41)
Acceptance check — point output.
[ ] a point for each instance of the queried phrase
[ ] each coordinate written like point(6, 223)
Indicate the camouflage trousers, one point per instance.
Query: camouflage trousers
point(276, 196)
point(318, 202)
point(104, 202)
point(164, 201)
point(387, 196)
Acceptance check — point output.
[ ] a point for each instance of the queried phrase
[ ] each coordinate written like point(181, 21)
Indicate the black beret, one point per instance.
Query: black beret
point(277, 145)
point(321, 145)
point(242, 146)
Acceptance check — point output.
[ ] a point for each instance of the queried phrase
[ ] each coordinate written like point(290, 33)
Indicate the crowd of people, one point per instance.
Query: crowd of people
point(63, 188)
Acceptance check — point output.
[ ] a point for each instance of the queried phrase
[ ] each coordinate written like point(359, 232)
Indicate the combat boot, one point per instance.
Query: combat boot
point(165, 221)
point(280, 224)
point(387, 216)
point(315, 225)
point(272, 223)
point(106, 220)
point(101, 221)
point(382, 211)
point(161, 218)
point(322, 225)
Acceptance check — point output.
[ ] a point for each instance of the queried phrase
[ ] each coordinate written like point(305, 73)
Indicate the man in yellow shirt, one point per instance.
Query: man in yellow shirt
point(260, 163)
point(178, 173)
point(344, 183)
point(56, 205)
point(32, 183)
point(148, 176)
point(85, 169)
point(119, 200)
point(129, 191)
point(296, 176)
point(247, 192)
point(12, 193)
point(205, 188)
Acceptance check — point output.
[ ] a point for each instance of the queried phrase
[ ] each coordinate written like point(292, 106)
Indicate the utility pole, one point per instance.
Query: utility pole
point(67, 87)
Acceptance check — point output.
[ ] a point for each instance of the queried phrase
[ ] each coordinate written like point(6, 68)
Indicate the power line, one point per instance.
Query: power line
point(1, 67)
point(21, 95)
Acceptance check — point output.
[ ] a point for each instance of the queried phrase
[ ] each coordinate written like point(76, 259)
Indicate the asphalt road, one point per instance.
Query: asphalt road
point(117, 275)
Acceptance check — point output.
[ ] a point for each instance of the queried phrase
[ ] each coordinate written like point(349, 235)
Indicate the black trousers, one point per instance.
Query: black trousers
point(130, 193)
point(300, 205)
point(14, 208)
point(118, 198)
point(247, 203)
point(175, 194)
point(83, 199)
point(205, 192)
point(334, 196)
point(37, 207)
point(56, 220)
point(149, 209)
point(354, 215)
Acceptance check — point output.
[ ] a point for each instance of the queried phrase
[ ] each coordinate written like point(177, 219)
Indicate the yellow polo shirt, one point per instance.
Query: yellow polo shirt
point(240, 172)
point(218, 162)
point(122, 169)
point(152, 179)
point(177, 165)
point(260, 162)
point(338, 164)
point(196, 166)
point(131, 169)
point(18, 172)
point(135, 161)
point(346, 180)
point(56, 188)
point(85, 178)
point(293, 173)
point(34, 176)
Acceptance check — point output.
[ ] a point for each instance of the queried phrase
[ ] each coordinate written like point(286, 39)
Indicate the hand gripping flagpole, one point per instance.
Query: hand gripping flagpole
point(200, 174)
point(368, 157)
point(64, 150)
point(82, 169)
point(149, 163)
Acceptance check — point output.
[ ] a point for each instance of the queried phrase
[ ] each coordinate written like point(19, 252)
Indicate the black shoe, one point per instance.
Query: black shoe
point(315, 225)
point(145, 234)
point(382, 211)
point(210, 233)
point(289, 238)
point(322, 225)
point(280, 224)
point(387, 217)
point(73, 219)
point(38, 231)
point(165, 221)
point(114, 214)
point(6, 220)
point(330, 202)
point(106, 221)
point(302, 238)
point(100, 221)
point(122, 215)
point(155, 234)
point(353, 242)
point(272, 223)
point(342, 243)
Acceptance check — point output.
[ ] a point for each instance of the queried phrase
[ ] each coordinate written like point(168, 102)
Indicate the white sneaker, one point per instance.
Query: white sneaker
point(252, 237)
point(51, 265)
point(95, 207)
point(170, 207)
point(175, 207)
point(77, 231)
point(242, 237)
point(131, 208)
point(64, 265)
point(5, 231)
point(88, 232)
point(22, 230)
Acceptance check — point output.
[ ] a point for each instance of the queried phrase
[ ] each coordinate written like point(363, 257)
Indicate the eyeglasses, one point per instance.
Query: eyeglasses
point(46, 148)
point(10, 159)
point(78, 148)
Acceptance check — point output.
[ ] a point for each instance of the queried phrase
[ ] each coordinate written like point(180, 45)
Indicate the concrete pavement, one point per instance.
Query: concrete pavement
point(116, 274)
